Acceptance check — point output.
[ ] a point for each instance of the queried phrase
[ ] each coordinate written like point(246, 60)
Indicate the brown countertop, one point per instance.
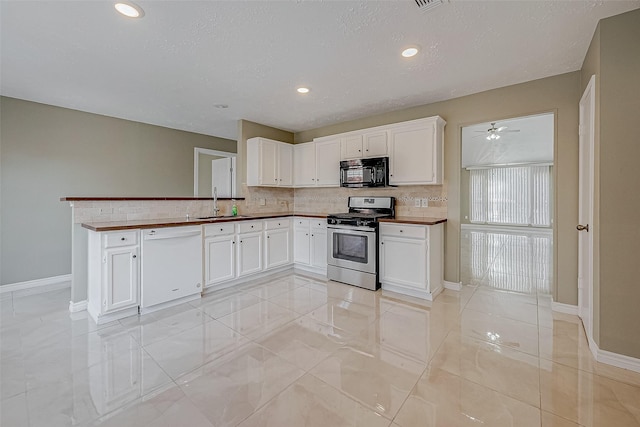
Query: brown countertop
point(180, 222)
point(119, 199)
point(414, 220)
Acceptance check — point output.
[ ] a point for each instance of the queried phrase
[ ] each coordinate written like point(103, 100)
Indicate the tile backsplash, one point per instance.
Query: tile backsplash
point(265, 200)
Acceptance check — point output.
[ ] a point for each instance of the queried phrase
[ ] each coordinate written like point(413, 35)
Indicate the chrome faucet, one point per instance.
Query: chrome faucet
point(216, 210)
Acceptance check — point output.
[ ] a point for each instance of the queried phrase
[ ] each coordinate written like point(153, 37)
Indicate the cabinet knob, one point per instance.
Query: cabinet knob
point(359, 151)
point(268, 237)
point(312, 235)
point(306, 234)
point(391, 175)
point(135, 256)
point(233, 241)
point(123, 239)
point(382, 243)
point(367, 149)
point(252, 226)
point(240, 241)
point(401, 231)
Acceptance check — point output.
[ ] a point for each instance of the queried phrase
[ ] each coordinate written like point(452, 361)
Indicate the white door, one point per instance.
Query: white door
point(121, 278)
point(249, 253)
point(268, 162)
point(304, 164)
point(301, 245)
point(277, 248)
point(219, 256)
point(585, 213)
point(412, 155)
point(375, 144)
point(319, 248)
point(328, 163)
point(285, 165)
point(403, 262)
point(222, 176)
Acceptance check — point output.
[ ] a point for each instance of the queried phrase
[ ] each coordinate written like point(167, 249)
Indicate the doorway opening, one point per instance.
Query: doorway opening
point(214, 169)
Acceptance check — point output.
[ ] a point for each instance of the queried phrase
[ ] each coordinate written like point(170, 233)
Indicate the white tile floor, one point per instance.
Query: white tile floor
point(294, 351)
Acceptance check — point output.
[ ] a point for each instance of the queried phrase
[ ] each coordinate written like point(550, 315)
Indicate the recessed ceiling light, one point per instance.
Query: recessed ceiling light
point(410, 51)
point(303, 90)
point(129, 9)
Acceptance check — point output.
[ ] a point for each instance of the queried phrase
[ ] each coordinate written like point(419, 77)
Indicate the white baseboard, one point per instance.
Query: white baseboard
point(564, 308)
point(615, 359)
point(46, 284)
point(454, 286)
point(75, 307)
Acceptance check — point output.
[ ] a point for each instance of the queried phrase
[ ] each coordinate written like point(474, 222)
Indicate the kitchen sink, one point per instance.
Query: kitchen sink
point(223, 217)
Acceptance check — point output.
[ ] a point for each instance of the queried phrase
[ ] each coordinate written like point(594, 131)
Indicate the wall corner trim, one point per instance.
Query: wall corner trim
point(454, 286)
point(45, 285)
point(75, 307)
point(564, 308)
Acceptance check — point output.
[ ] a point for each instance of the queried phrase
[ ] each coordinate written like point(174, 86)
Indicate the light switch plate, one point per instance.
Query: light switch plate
point(425, 202)
point(417, 203)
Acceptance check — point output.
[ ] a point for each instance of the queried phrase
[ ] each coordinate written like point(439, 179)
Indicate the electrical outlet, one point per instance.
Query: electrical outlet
point(263, 202)
point(425, 203)
point(417, 203)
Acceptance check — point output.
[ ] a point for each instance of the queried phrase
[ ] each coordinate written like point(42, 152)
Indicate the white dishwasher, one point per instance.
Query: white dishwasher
point(171, 265)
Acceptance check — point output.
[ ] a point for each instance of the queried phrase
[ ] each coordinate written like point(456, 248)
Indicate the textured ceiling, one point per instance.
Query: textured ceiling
point(173, 66)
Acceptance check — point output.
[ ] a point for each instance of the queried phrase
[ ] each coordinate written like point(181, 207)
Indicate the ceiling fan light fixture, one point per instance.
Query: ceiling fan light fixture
point(129, 9)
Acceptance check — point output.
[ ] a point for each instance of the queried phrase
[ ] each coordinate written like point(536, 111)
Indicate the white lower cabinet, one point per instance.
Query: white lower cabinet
point(114, 274)
point(411, 259)
point(249, 247)
point(277, 243)
point(219, 253)
point(310, 244)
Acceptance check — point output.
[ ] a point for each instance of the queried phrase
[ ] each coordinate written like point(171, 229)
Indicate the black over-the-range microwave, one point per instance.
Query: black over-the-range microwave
point(365, 172)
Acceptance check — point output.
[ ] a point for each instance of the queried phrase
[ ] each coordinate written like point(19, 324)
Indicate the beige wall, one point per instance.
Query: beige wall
point(619, 175)
point(558, 94)
point(50, 152)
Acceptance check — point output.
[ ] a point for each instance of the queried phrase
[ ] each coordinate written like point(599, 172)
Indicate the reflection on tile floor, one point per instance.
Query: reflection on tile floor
point(507, 258)
point(295, 351)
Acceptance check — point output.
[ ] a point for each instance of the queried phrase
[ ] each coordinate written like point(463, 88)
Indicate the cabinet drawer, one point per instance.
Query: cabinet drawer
point(301, 223)
point(219, 229)
point(403, 230)
point(121, 238)
point(274, 224)
point(250, 226)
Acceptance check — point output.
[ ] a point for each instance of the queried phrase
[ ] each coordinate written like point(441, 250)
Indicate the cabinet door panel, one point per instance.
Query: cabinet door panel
point(319, 248)
point(268, 163)
point(219, 259)
point(285, 165)
point(249, 254)
point(375, 144)
point(121, 278)
point(304, 164)
point(301, 245)
point(412, 155)
point(404, 262)
point(351, 147)
point(277, 248)
point(328, 163)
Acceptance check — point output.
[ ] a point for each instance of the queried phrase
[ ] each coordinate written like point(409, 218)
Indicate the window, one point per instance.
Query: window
point(511, 195)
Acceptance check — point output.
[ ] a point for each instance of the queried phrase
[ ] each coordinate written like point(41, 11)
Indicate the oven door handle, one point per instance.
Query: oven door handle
point(350, 229)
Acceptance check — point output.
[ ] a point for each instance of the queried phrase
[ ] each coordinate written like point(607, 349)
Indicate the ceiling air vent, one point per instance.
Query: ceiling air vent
point(425, 5)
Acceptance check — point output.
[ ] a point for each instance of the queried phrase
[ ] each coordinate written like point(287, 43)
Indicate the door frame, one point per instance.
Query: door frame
point(196, 152)
point(586, 189)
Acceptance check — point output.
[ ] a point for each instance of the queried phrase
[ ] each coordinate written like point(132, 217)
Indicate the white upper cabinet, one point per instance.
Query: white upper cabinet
point(304, 165)
point(351, 147)
point(269, 163)
point(328, 163)
point(364, 144)
point(416, 152)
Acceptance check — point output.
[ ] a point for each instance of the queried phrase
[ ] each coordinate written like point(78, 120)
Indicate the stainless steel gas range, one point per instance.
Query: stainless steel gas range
point(353, 241)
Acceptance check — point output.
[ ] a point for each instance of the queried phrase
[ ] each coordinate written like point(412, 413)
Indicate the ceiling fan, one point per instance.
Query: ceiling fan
point(493, 132)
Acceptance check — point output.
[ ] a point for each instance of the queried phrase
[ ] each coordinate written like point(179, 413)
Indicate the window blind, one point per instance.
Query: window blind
point(511, 195)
